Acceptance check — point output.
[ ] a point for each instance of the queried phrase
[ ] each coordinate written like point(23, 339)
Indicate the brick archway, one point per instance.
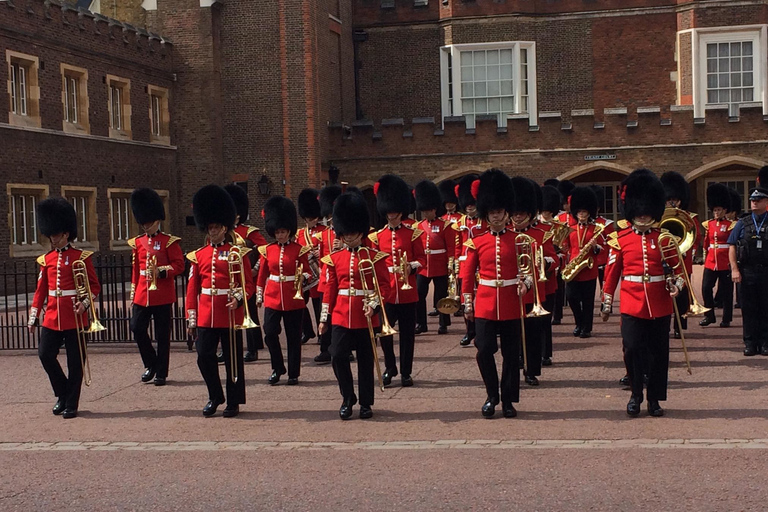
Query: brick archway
point(594, 166)
point(456, 175)
point(724, 162)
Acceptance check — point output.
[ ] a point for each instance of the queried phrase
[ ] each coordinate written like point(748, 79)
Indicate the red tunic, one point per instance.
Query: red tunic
point(581, 234)
point(716, 243)
point(469, 228)
point(566, 218)
point(492, 257)
point(169, 258)
point(306, 237)
point(56, 283)
point(208, 287)
point(251, 234)
point(344, 295)
point(439, 240)
point(602, 258)
point(401, 242)
point(276, 282)
point(635, 260)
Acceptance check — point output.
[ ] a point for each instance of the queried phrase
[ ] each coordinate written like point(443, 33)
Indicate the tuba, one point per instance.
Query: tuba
point(584, 258)
point(83, 289)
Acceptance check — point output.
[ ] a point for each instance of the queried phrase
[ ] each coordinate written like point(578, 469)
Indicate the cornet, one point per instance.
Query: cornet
point(299, 281)
point(403, 259)
point(150, 271)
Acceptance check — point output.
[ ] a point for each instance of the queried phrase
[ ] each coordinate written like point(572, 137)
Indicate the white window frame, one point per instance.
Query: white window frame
point(27, 211)
point(70, 98)
point(116, 119)
point(703, 36)
point(80, 204)
point(119, 216)
point(157, 114)
point(455, 51)
point(19, 89)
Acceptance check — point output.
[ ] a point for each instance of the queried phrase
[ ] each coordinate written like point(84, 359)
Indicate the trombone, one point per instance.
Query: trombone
point(527, 262)
point(450, 304)
point(372, 298)
point(83, 290)
point(668, 244)
point(237, 282)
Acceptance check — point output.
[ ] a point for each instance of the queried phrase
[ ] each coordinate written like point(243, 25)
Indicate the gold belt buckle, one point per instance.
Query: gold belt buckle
point(646, 278)
point(351, 292)
point(282, 279)
point(213, 291)
point(427, 251)
point(499, 283)
point(59, 293)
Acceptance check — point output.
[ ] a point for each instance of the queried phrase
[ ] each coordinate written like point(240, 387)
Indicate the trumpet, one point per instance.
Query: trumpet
point(584, 258)
point(541, 264)
point(83, 289)
point(150, 271)
point(237, 284)
point(373, 299)
point(403, 259)
point(299, 281)
point(450, 304)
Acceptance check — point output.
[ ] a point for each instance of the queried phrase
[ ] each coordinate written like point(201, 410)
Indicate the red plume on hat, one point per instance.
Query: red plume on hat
point(376, 188)
point(475, 188)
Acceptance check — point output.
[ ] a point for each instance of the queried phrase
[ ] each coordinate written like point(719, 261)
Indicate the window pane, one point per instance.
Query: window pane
point(712, 96)
point(479, 58)
point(506, 72)
point(507, 104)
point(735, 49)
point(723, 49)
point(479, 73)
point(747, 79)
point(736, 64)
point(724, 80)
point(746, 48)
point(748, 94)
point(14, 87)
point(505, 56)
point(724, 66)
point(493, 57)
point(711, 50)
point(494, 105)
point(22, 90)
point(735, 95)
point(725, 96)
point(506, 87)
point(523, 56)
point(747, 63)
point(493, 73)
point(735, 80)
point(467, 90)
point(466, 59)
point(468, 106)
point(493, 89)
point(466, 73)
point(481, 106)
point(480, 89)
point(711, 65)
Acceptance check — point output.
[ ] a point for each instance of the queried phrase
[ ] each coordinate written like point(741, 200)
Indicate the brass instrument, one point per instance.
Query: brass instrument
point(314, 264)
point(522, 264)
point(83, 289)
point(450, 304)
point(372, 299)
point(541, 264)
point(526, 266)
point(150, 271)
point(299, 281)
point(403, 263)
point(560, 232)
point(237, 282)
point(584, 258)
point(669, 250)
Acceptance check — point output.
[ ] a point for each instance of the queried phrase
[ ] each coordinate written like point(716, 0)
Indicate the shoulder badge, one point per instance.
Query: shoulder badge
point(250, 230)
point(132, 242)
point(693, 215)
point(416, 234)
point(244, 251)
point(623, 224)
point(327, 260)
point(263, 251)
point(84, 255)
point(319, 235)
point(380, 255)
point(374, 237)
point(171, 240)
point(41, 260)
point(192, 256)
point(304, 250)
point(614, 243)
point(470, 244)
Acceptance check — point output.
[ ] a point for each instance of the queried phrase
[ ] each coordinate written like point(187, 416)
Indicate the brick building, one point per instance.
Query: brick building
point(270, 94)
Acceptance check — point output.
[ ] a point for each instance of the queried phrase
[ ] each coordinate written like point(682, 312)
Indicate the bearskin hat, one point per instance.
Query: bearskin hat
point(465, 191)
point(551, 199)
point(240, 197)
point(448, 192)
point(539, 195)
point(735, 204)
point(56, 215)
point(762, 177)
point(718, 195)
point(642, 193)
point(309, 204)
point(565, 187)
point(280, 213)
point(428, 197)
point(350, 214)
point(600, 196)
point(328, 196)
point(583, 198)
point(675, 187)
point(525, 196)
point(493, 191)
point(393, 195)
point(552, 182)
point(635, 174)
point(213, 205)
point(147, 205)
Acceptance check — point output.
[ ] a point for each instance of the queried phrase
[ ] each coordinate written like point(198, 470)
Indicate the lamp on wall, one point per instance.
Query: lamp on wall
point(263, 184)
point(333, 174)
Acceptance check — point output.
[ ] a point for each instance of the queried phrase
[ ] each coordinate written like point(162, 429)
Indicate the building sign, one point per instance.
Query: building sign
point(591, 158)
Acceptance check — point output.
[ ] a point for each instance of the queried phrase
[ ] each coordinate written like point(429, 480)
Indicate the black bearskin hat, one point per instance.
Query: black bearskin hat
point(309, 204)
point(539, 195)
point(642, 193)
point(465, 191)
point(565, 187)
point(147, 205)
point(599, 195)
point(350, 215)
point(762, 177)
point(493, 191)
point(718, 195)
point(328, 196)
point(525, 196)
point(635, 174)
point(240, 197)
point(675, 187)
point(583, 198)
point(213, 205)
point(735, 204)
point(280, 213)
point(552, 182)
point(428, 197)
point(552, 201)
point(56, 215)
point(448, 192)
point(393, 195)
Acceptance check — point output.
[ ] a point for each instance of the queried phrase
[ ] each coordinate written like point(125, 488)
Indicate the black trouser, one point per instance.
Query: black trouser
point(253, 337)
point(549, 305)
point(404, 315)
point(67, 388)
point(724, 290)
point(307, 326)
point(559, 299)
point(140, 327)
point(441, 291)
point(343, 342)
point(534, 341)
point(207, 343)
point(581, 298)
point(292, 323)
point(754, 306)
point(683, 302)
point(487, 346)
point(646, 351)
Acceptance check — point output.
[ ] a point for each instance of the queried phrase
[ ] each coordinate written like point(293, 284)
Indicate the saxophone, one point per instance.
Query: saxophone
point(584, 258)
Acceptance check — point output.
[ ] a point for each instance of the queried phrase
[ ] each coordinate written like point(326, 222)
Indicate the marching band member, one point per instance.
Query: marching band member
point(551, 203)
point(495, 306)
point(252, 238)
point(156, 260)
point(608, 227)
point(280, 287)
point(581, 290)
point(66, 305)
point(349, 273)
point(404, 252)
point(564, 217)
point(716, 265)
point(215, 298)
point(309, 211)
point(449, 191)
point(439, 240)
point(470, 226)
point(636, 259)
point(565, 187)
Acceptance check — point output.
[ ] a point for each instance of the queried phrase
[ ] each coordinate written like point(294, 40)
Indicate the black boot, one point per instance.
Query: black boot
point(345, 412)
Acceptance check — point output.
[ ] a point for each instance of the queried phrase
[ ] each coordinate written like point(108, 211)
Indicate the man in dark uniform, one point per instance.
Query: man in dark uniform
point(748, 255)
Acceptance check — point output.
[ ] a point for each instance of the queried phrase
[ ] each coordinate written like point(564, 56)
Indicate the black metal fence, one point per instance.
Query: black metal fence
point(113, 305)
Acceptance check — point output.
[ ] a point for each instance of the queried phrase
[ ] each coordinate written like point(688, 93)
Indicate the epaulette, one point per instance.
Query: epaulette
point(237, 239)
point(374, 237)
point(263, 251)
point(469, 244)
point(733, 224)
point(84, 255)
point(172, 239)
point(448, 223)
point(244, 251)
point(380, 255)
point(304, 250)
point(623, 224)
point(693, 215)
point(416, 234)
point(548, 234)
point(250, 230)
point(705, 224)
point(132, 242)
point(327, 260)
point(41, 259)
point(192, 256)
point(318, 235)
point(614, 243)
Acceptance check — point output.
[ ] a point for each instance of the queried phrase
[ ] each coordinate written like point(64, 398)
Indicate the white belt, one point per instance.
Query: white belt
point(346, 292)
point(498, 283)
point(216, 291)
point(463, 258)
point(719, 246)
point(282, 279)
point(645, 279)
point(393, 270)
point(434, 251)
point(62, 293)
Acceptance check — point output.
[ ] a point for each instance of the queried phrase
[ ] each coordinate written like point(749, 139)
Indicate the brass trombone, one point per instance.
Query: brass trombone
point(83, 290)
point(450, 304)
point(403, 263)
point(668, 244)
point(373, 298)
point(527, 265)
point(237, 282)
point(150, 271)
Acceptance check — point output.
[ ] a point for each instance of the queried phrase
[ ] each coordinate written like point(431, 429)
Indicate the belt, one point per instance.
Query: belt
point(392, 270)
point(719, 246)
point(282, 279)
point(434, 251)
point(645, 279)
point(498, 283)
point(214, 291)
point(463, 258)
point(346, 292)
point(62, 293)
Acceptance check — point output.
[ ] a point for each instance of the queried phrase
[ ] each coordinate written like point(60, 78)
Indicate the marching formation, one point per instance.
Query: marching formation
point(503, 252)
